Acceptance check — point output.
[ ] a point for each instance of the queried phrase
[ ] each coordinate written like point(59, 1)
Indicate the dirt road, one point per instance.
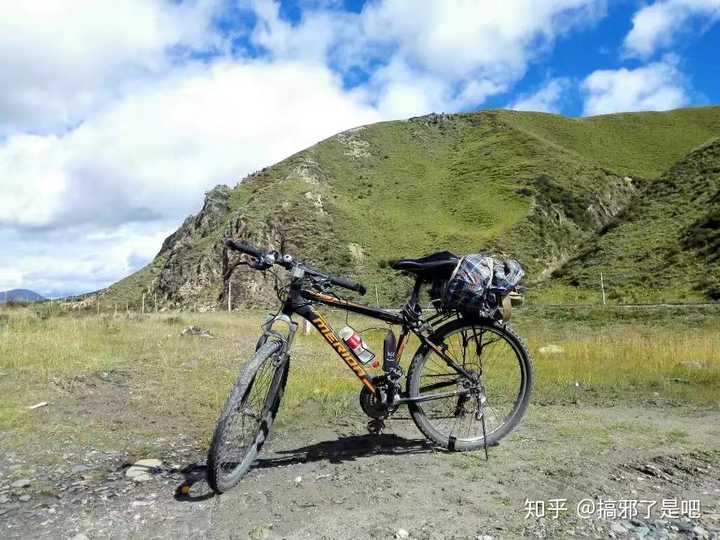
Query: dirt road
point(336, 481)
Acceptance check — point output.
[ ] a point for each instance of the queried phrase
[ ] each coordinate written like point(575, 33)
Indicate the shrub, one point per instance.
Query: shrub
point(710, 284)
point(704, 234)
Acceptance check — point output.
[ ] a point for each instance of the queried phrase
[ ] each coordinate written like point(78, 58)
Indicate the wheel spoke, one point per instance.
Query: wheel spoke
point(494, 369)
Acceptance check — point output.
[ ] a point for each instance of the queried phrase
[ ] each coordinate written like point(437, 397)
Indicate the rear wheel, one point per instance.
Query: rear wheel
point(247, 417)
point(496, 392)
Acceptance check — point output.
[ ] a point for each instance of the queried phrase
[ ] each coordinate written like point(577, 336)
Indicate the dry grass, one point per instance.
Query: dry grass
point(622, 362)
point(188, 378)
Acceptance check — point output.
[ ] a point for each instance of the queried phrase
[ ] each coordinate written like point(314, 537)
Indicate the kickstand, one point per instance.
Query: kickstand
point(482, 418)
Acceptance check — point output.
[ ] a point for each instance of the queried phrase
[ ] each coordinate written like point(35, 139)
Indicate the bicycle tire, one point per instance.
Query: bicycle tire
point(415, 375)
point(219, 478)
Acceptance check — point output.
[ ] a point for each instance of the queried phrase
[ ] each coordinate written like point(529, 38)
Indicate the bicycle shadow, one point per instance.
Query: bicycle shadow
point(194, 487)
point(347, 448)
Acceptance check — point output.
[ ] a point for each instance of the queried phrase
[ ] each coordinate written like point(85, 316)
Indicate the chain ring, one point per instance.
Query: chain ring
point(370, 403)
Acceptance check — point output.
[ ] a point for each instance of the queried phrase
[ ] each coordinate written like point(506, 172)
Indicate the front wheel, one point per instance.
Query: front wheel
point(247, 417)
point(461, 412)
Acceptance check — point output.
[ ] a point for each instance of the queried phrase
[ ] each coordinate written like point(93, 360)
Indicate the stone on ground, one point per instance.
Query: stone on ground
point(22, 483)
point(142, 470)
point(196, 331)
point(550, 349)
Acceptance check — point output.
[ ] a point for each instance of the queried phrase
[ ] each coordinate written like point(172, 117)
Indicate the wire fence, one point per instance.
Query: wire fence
point(150, 304)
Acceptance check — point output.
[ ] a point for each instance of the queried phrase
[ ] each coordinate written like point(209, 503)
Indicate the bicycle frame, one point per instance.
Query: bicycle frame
point(301, 301)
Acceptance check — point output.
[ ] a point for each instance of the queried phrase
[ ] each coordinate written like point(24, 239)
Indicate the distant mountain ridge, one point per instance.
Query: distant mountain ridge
point(539, 187)
point(20, 296)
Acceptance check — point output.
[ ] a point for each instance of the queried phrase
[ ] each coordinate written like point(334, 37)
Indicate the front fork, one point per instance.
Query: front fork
point(280, 328)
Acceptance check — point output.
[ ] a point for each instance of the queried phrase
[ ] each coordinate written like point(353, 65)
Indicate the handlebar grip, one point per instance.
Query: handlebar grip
point(244, 248)
point(349, 284)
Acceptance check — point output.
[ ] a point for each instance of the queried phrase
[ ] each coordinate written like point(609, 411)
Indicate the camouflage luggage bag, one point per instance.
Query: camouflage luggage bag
point(481, 285)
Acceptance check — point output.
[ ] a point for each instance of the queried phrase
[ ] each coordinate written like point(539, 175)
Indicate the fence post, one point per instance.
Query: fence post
point(229, 296)
point(306, 327)
point(602, 288)
point(142, 309)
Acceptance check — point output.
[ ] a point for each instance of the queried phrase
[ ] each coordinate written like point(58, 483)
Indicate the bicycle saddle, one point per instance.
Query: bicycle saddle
point(440, 264)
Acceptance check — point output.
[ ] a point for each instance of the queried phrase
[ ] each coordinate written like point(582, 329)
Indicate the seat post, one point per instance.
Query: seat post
point(416, 291)
point(411, 308)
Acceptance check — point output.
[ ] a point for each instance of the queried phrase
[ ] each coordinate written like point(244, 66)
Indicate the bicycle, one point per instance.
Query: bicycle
point(448, 389)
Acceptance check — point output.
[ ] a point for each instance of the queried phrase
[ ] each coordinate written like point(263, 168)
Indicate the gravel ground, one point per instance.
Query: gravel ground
point(336, 481)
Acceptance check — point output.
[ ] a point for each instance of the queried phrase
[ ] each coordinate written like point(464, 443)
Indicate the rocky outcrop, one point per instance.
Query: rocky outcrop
point(562, 220)
point(192, 254)
point(213, 213)
point(608, 203)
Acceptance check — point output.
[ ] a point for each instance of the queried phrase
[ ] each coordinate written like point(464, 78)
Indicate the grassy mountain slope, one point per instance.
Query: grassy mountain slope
point(535, 186)
point(664, 245)
point(640, 145)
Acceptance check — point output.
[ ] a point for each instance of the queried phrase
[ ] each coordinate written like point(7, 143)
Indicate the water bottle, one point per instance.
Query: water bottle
point(389, 350)
point(355, 343)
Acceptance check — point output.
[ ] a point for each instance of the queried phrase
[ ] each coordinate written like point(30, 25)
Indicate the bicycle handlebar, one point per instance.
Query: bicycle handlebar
point(244, 248)
point(288, 263)
point(348, 284)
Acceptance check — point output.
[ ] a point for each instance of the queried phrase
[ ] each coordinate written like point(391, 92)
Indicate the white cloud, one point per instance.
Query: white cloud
point(460, 38)
point(657, 25)
point(399, 91)
point(320, 30)
point(149, 158)
point(10, 278)
point(61, 60)
point(547, 99)
point(654, 87)
point(446, 55)
point(76, 260)
point(151, 155)
point(463, 52)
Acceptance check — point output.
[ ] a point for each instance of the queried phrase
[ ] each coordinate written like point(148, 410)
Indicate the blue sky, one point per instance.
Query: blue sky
point(118, 116)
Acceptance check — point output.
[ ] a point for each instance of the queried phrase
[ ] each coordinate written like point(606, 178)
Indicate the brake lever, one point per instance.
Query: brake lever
point(258, 264)
point(264, 262)
point(229, 272)
point(320, 285)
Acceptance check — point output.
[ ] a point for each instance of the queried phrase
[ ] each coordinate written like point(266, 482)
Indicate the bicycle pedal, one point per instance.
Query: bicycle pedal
point(375, 426)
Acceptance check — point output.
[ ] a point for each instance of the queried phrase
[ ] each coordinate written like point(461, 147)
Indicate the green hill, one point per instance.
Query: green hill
point(536, 186)
point(664, 245)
